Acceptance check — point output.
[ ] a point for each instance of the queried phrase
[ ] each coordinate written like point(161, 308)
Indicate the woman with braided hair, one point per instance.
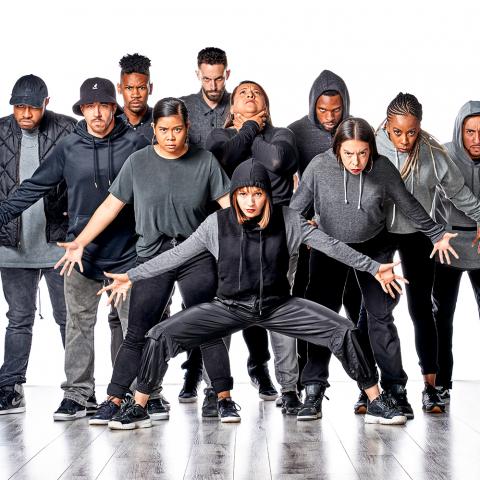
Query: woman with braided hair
point(424, 166)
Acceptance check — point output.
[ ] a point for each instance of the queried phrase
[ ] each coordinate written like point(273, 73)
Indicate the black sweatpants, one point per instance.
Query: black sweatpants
point(205, 324)
point(197, 282)
point(382, 333)
point(444, 296)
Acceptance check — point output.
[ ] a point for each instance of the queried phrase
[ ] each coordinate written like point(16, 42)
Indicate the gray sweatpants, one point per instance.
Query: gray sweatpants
point(82, 305)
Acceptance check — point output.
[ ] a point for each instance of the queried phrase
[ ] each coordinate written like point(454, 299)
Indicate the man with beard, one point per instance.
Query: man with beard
point(135, 87)
point(209, 107)
point(28, 249)
point(329, 105)
point(88, 159)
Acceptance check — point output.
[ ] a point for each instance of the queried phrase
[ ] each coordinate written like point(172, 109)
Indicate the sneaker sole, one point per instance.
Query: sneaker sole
point(130, 426)
point(187, 400)
point(12, 410)
point(279, 402)
point(92, 410)
point(98, 421)
point(434, 409)
point(306, 418)
point(230, 419)
point(65, 418)
point(360, 410)
point(268, 398)
point(397, 420)
point(292, 412)
point(210, 415)
point(159, 416)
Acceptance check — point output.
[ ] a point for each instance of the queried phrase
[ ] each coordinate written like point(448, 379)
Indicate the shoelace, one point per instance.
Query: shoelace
point(231, 404)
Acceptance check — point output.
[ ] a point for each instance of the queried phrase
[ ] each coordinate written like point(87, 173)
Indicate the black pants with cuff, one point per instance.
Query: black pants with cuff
point(197, 282)
point(207, 323)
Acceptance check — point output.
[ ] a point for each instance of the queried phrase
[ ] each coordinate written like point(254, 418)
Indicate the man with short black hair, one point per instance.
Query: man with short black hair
point(88, 160)
point(208, 109)
point(135, 87)
point(28, 249)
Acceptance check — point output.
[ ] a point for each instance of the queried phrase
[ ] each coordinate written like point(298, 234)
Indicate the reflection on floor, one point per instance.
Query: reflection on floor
point(265, 445)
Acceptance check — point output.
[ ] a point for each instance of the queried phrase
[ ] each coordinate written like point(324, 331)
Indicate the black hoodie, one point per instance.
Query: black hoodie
point(252, 263)
point(88, 165)
point(311, 138)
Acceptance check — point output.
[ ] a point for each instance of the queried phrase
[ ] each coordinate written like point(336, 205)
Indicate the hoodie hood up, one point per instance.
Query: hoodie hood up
point(327, 80)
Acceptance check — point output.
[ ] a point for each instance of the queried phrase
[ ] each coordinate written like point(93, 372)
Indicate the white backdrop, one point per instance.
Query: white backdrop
point(378, 48)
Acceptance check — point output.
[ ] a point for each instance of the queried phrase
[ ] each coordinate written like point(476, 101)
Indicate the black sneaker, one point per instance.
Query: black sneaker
point(12, 399)
point(431, 401)
point(69, 410)
point(105, 412)
point(312, 406)
point(165, 402)
point(291, 403)
point(385, 411)
point(360, 407)
point(92, 405)
point(228, 411)
point(188, 393)
point(157, 410)
point(130, 417)
point(209, 406)
point(266, 389)
point(444, 394)
point(399, 394)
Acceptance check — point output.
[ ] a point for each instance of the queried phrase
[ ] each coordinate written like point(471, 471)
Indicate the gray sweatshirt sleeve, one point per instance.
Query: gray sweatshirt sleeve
point(409, 205)
point(303, 198)
point(204, 238)
point(298, 231)
point(452, 183)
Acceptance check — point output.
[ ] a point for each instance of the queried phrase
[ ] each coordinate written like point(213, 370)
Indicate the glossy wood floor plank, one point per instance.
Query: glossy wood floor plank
point(266, 445)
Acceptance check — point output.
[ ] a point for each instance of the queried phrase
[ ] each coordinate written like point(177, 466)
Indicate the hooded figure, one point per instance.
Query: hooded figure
point(445, 211)
point(311, 137)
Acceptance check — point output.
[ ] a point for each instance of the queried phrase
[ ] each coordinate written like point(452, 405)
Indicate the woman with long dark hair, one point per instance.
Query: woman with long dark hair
point(253, 242)
point(167, 212)
point(348, 187)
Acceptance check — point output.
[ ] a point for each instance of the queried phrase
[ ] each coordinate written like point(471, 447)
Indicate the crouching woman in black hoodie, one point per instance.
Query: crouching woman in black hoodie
point(253, 242)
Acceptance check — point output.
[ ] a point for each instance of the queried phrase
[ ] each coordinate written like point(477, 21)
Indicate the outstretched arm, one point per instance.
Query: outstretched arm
point(101, 219)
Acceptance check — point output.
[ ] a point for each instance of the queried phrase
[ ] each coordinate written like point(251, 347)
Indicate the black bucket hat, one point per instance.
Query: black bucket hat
point(97, 89)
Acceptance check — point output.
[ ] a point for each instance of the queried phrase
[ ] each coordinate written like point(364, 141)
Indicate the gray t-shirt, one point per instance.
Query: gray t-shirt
point(33, 251)
point(170, 196)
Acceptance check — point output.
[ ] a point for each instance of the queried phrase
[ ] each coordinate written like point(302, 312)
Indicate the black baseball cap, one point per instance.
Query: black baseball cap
point(97, 89)
point(29, 90)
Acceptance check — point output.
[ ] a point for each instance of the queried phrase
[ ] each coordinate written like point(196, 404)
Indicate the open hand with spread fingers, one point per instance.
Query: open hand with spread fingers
point(444, 248)
point(118, 288)
point(389, 280)
point(73, 255)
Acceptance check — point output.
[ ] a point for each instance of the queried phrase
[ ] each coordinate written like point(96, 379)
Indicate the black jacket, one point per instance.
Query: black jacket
point(52, 128)
point(88, 165)
point(273, 147)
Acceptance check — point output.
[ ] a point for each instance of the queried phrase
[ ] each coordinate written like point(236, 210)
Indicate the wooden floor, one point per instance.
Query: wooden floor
point(265, 445)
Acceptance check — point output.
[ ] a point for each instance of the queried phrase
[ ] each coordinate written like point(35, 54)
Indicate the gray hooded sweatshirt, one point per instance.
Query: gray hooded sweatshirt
point(445, 210)
point(435, 171)
point(351, 207)
point(311, 138)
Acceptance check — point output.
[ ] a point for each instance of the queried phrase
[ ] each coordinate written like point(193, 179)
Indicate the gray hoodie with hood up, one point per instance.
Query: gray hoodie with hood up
point(445, 210)
point(435, 171)
point(311, 138)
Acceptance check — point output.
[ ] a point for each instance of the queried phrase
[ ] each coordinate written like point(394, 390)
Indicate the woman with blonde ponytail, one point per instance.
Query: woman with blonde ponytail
point(424, 165)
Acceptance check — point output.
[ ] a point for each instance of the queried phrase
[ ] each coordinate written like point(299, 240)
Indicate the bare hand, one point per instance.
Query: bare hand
point(118, 288)
point(477, 240)
point(388, 279)
point(260, 118)
point(73, 255)
point(443, 248)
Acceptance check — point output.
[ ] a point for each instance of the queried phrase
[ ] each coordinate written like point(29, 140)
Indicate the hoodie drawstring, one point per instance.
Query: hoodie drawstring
point(359, 203)
point(95, 163)
point(261, 273)
point(240, 265)
point(110, 162)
